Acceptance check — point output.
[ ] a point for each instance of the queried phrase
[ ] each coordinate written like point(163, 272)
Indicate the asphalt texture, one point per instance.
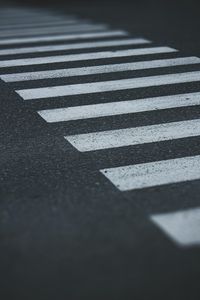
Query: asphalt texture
point(66, 232)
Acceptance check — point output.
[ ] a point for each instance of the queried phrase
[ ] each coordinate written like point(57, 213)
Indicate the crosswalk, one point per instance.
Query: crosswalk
point(102, 69)
point(181, 226)
point(62, 37)
point(82, 56)
point(75, 46)
point(90, 52)
point(108, 86)
point(119, 108)
point(134, 136)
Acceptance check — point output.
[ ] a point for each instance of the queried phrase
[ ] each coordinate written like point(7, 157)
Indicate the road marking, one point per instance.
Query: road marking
point(56, 29)
point(134, 136)
point(155, 173)
point(183, 227)
point(108, 86)
point(119, 108)
point(14, 27)
point(29, 20)
point(84, 56)
point(74, 46)
point(64, 37)
point(102, 69)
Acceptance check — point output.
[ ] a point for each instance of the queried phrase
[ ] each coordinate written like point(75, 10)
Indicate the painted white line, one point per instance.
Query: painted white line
point(134, 136)
point(183, 227)
point(64, 37)
point(9, 16)
point(83, 56)
point(155, 173)
point(22, 12)
point(64, 29)
point(47, 28)
point(3, 28)
point(101, 69)
point(27, 12)
point(95, 44)
point(108, 86)
point(119, 108)
point(28, 20)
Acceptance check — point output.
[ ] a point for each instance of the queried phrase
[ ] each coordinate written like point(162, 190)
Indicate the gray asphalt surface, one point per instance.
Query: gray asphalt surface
point(66, 232)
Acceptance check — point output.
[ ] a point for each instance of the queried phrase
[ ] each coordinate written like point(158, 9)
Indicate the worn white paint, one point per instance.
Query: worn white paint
point(135, 136)
point(56, 29)
point(155, 173)
point(102, 69)
point(29, 19)
point(108, 86)
point(183, 227)
point(74, 46)
point(119, 108)
point(83, 56)
point(63, 37)
point(43, 24)
point(37, 25)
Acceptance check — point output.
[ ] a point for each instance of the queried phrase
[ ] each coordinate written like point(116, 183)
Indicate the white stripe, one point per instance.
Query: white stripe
point(106, 86)
point(10, 15)
point(183, 227)
point(100, 69)
point(32, 15)
point(44, 28)
point(63, 37)
point(28, 20)
point(64, 29)
point(156, 173)
point(16, 12)
point(123, 42)
point(23, 13)
point(42, 25)
point(83, 56)
point(134, 136)
point(119, 108)
point(27, 12)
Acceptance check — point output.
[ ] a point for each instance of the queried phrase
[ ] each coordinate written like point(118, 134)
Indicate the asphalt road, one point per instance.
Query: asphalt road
point(66, 231)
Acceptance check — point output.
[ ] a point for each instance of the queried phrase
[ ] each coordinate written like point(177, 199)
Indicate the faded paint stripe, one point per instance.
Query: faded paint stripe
point(183, 227)
point(28, 20)
point(83, 56)
point(155, 173)
point(108, 86)
point(119, 108)
point(135, 136)
point(64, 37)
point(74, 46)
point(142, 65)
point(38, 24)
point(56, 29)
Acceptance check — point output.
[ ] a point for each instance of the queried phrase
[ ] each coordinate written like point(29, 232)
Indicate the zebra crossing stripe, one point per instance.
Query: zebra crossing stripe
point(84, 56)
point(119, 108)
point(108, 86)
point(28, 20)
point(64, 37)
point(154, 174)
point(134, 136)
point(70, 25)
point(183, 227)
point(74, 46)
point(102, 69)
point(3, 28)
point(8, 15)
point(56, 29)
